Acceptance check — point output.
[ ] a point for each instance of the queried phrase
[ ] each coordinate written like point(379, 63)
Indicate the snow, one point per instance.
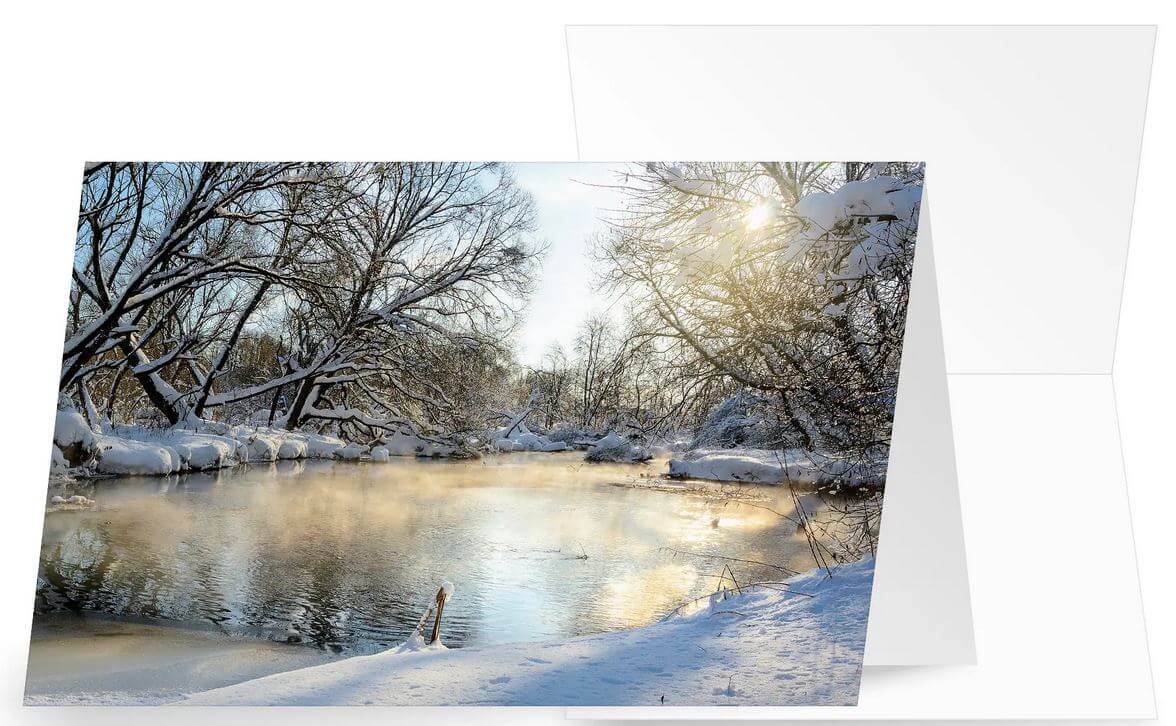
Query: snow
point(351, 452)
point(571, 434)
point(875, 202)
point(416, 643)
point(77, 501)
point(520, 439)
point(260, 417)
point(192, 445)
point(380, 453)
point(264, 444)
point(401, 444)
point(135, 450)
point(754, 465)
point(738, 421)
point(409, 444)
point(70, 429)
point(202, 451)
point(866, 198)
point(761, 647)
point(673, 176)
point(615, 447)
point(262, 448)
point(57, 463)
point(292, 448)
point(318, 446)
point(125, 457)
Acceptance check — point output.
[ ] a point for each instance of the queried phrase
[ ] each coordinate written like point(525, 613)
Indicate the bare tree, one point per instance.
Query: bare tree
point(368, 281)
point(718, 261)
point(148, 234)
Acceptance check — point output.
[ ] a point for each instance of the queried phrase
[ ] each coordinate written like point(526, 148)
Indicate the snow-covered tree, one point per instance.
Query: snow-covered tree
point(361, 286)
point(790, 280)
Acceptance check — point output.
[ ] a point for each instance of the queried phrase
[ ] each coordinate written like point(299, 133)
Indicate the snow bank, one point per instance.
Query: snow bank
point(320, 446)
point(71, 429)
point(614, 447)
point(204, 451)
point(530, 442)
point(124, 457)
point(193, 445)
point(136, 450)
point(264, 444)
point(73, 442)
point(292, 448)
point(262, 448)
point(756, 465)
point(572, 435)
point(521, 439)
point(759, 648)
point(351, 452)
point(402, 444)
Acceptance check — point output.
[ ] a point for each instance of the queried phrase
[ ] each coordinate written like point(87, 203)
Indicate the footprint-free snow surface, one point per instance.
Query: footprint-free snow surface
point(759, 648)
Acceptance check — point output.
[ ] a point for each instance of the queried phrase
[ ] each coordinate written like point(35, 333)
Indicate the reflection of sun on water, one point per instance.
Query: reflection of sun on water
point(538, 548)
point(642, 596)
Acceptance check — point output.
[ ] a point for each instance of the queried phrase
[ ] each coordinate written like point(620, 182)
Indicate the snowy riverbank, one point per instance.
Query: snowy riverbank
point(765, 466)
point(96, 661)
point(198, 445)
point(762, 647)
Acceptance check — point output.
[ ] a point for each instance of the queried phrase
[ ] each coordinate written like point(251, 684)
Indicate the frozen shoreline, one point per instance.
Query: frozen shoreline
point(80, 451)
point(761, 647)
point(765, 466)
point(92, 660)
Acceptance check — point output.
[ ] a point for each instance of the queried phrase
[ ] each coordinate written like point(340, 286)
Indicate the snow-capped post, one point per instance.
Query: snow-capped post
point(443, 595)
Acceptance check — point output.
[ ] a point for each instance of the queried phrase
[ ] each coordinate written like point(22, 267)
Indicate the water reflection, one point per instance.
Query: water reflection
point(345, 555)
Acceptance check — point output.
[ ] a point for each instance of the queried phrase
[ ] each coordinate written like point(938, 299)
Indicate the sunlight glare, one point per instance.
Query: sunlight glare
point(760, 215)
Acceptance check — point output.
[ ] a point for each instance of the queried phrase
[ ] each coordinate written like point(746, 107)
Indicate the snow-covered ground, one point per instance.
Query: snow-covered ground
point(517, 437)
point(197, 445)
point(759, 648)
point(614, 447)
point(766, 467)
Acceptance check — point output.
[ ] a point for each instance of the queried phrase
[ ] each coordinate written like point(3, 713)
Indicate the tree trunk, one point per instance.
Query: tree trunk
point(223, 358)
point(302, 399)
point(155, 394)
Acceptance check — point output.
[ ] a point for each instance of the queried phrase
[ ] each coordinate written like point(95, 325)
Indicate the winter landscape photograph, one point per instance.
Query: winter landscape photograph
point(468, 434)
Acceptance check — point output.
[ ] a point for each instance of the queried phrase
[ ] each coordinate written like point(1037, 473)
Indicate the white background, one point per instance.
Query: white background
point(1031, 138)
point(350, 80)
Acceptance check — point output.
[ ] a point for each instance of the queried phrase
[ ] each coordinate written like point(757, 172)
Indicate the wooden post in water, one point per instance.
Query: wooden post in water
point(442, 595)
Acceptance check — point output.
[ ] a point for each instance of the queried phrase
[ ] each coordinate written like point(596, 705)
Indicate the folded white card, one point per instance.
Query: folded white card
point(1032, 138)
point(922, 611)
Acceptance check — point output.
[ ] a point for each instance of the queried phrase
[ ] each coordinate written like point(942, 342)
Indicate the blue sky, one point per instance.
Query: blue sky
point(568, 210)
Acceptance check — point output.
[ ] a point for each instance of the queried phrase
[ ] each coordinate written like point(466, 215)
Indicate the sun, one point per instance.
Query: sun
point(760, 215)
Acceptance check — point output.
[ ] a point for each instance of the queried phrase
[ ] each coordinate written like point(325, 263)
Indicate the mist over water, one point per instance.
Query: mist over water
point(346, 556)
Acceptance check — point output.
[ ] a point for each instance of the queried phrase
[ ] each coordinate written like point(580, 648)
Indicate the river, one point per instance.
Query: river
point(345, 556)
